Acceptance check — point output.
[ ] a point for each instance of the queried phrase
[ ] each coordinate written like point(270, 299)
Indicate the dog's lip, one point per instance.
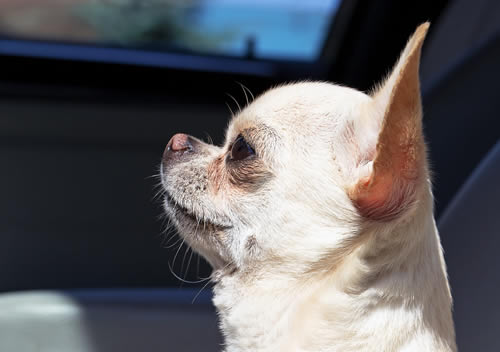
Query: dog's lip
point(173, 203)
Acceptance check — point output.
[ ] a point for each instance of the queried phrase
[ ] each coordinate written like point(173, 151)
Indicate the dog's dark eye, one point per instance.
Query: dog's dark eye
point(240, 149)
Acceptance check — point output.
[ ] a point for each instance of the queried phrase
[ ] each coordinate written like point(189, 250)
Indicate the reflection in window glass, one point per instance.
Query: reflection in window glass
point(265, 29)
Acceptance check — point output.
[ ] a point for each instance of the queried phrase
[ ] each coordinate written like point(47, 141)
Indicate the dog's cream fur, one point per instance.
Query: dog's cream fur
point(325, 239)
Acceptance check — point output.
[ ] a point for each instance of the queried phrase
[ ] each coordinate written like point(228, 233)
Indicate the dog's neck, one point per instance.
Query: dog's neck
point(403, 305)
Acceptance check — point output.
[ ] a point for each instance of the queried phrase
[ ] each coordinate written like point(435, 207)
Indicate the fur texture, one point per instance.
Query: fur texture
point(323, 238)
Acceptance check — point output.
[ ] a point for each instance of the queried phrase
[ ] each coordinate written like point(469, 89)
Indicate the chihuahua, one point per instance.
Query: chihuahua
point(317, 217)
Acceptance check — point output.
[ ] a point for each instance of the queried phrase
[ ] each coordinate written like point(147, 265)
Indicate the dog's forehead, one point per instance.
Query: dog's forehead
point(302, 105)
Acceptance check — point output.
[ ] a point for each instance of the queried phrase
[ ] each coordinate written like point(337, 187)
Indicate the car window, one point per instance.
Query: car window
point(262, 29)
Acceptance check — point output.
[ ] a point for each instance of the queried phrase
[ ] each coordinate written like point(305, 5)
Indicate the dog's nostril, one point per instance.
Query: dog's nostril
point(179, 142)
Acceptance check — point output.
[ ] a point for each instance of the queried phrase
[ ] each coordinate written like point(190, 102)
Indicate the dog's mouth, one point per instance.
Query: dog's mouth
point(182, 211)
point(178, 208)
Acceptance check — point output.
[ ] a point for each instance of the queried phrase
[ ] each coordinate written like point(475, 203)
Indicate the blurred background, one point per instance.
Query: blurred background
point(92, 90)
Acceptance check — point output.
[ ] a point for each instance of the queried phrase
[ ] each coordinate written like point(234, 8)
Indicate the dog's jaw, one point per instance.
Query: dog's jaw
point(402, 307)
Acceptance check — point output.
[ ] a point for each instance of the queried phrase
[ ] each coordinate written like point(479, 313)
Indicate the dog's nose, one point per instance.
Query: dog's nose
point(179, 142)
point(178, 145)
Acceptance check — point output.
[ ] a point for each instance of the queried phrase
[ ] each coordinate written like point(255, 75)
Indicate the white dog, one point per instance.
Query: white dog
point(317, 217)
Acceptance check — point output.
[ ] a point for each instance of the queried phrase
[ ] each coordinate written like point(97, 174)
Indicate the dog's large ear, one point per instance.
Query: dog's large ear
point(398, 160)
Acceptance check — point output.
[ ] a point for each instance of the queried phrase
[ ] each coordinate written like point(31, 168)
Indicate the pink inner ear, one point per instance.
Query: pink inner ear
point(384, 195)
point(372, 198)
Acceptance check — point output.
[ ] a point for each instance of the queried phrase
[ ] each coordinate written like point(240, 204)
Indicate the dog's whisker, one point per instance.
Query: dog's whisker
point(164, 222)
point(230, 110)
point(153, 176)
point(209, 138)
point(186, 251)
point(201, 290)
point(197, 265)
point(169, 246)
point(173, 236)
point(183, 280)
point(249, 92)
point(236, 101)
point(167, 234)
point(158, 195)
point(189, 263)
point(178, 250)
point(245, 90)
point(158, 185)
point(166, 227)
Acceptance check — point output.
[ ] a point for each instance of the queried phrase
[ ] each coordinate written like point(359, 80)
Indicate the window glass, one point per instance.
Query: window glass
point(261, 29)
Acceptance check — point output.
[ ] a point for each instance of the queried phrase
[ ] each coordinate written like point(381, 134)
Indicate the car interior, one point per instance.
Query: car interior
point(91, 92)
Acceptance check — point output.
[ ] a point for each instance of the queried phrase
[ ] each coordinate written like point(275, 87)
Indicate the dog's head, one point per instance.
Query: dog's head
point(304, 170)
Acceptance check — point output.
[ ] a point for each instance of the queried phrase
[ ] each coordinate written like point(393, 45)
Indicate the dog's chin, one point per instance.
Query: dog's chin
point(199, 232)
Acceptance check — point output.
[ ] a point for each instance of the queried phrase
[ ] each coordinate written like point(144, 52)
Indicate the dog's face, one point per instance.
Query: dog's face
point(305, 168)
point(280, 171)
